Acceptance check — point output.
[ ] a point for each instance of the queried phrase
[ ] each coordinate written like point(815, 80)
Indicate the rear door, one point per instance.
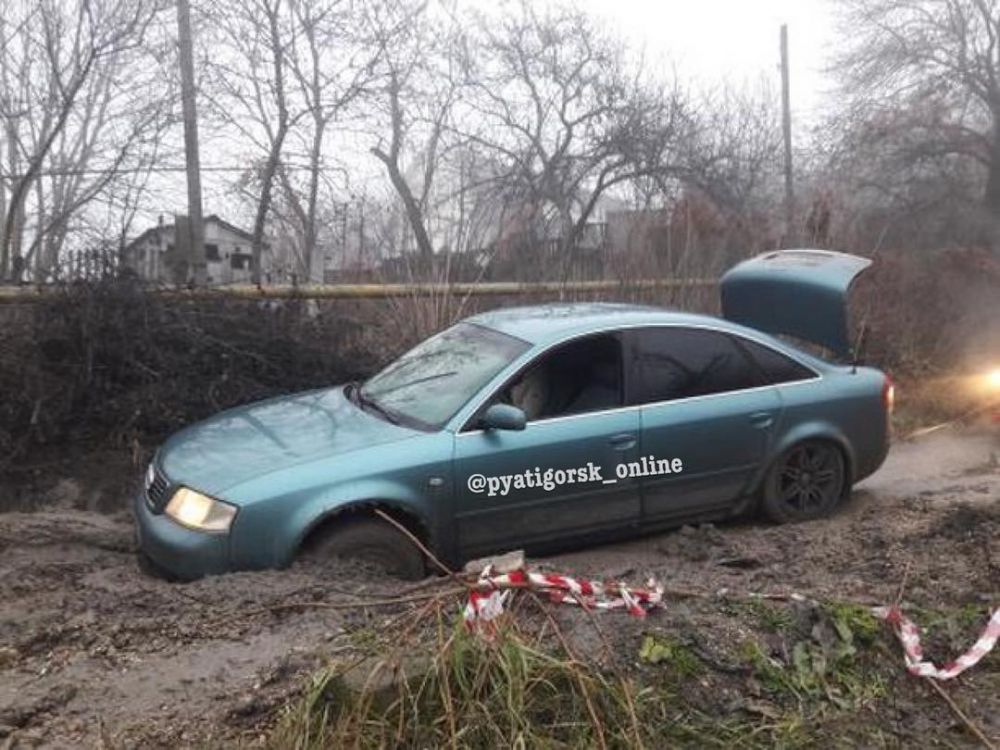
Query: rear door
point(706, 419)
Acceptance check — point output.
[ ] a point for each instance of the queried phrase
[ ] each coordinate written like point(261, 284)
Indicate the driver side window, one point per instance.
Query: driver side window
point(576, 378)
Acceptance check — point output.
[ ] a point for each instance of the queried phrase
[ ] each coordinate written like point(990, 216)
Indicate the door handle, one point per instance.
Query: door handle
point(762, 419)
point(623, 441)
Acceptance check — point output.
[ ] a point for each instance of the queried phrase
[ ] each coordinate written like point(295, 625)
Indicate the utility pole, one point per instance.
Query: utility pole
point(786, 127)
point(196, 242)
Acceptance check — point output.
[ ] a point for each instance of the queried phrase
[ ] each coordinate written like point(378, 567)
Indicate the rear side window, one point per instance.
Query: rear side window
point(775, 366)
point(672, 363)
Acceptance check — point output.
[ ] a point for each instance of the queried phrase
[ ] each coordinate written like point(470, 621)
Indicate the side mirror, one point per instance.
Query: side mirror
point(503, 417)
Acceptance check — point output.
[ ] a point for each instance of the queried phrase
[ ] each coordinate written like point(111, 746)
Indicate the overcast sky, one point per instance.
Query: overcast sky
point(707, 42)
point(732, 39)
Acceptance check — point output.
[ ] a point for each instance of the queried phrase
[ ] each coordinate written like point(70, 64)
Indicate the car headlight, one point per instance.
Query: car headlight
point(200, 512)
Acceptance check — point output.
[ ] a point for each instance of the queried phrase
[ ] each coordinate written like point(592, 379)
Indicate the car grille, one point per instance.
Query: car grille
point(156, 489)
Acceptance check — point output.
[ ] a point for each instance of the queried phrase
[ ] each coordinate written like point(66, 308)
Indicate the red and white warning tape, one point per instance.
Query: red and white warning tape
point(909, 636)
point(491, 592)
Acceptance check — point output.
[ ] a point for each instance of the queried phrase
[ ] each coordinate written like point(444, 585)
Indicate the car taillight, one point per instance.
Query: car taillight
point(888, 394)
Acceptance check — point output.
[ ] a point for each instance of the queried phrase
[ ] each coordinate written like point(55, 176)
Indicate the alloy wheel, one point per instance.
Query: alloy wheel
point(811, 478)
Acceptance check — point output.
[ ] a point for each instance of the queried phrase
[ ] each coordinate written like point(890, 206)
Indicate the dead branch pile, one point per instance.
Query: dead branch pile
point(108, 364)
point(930, 314)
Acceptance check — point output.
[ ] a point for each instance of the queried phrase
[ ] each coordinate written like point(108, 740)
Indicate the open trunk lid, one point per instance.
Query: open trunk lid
point(800, 293)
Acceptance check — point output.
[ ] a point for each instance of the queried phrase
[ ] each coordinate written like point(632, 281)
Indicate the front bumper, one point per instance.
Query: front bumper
point(181, 552)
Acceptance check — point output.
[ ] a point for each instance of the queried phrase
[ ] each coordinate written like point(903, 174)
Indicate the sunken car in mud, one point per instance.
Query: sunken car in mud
point(535, 426)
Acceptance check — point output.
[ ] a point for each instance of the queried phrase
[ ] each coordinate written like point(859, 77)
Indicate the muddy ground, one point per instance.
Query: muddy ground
point(94, 652)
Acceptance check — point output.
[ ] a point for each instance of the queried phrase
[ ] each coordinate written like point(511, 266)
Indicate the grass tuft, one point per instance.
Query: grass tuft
point(799, 677)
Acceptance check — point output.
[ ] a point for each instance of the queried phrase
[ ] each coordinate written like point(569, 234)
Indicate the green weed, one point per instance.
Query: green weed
point(663, 649)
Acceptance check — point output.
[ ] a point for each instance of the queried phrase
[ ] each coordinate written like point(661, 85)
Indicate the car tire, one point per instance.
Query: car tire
point(807, 481)
point(372, 541)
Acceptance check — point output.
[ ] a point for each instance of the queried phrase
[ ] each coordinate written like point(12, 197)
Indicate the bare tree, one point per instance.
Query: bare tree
point(69, 114)
point(113, 140)
point(922, 85)
point(734, 154)
point(248, 90)
point(558, 102)
point(415, 99)
point(332, 63)
point(283, 73)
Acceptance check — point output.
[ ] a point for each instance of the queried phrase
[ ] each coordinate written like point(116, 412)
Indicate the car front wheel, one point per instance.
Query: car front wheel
point(371, 541)
point(806, 482)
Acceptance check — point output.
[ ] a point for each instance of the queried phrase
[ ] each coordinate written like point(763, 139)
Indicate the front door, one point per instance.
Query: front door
point(557, 478)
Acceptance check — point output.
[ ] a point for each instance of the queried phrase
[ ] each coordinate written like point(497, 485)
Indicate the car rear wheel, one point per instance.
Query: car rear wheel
point(371, 541)
point(806, 482)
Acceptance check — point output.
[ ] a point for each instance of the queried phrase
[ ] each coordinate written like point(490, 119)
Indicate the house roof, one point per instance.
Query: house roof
point(210, 219)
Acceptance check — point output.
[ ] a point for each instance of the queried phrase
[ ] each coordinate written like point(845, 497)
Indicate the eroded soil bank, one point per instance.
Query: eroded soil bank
point(93, 651)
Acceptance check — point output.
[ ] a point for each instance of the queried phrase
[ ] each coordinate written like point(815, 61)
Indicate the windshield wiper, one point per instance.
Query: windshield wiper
point(418, 381)
point(369, 404)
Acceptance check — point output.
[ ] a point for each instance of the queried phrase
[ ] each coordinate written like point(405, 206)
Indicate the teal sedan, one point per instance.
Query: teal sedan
point(539, 426)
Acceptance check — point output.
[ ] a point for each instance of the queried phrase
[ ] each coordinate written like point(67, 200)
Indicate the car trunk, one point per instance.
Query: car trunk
point(799, 293)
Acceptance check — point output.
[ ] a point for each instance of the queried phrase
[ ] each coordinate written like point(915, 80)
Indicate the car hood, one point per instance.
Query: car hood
point(801, 293)
point(253, 440)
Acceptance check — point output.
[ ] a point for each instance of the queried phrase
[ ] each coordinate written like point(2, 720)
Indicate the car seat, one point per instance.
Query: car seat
point(601, 389)
point(531, 393)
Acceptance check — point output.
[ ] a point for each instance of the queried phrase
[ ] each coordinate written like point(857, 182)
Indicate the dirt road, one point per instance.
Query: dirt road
point(93, 651)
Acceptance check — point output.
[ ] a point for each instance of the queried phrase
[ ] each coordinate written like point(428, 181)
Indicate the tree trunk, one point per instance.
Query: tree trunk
point(11, 239)
point(567, 243)
point(315, 157)
point(413, 213)
point(263, 206)
point(267, 179)
point(3, 216)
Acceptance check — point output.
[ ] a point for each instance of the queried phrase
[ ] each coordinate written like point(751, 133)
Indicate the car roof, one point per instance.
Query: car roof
point(543, 324)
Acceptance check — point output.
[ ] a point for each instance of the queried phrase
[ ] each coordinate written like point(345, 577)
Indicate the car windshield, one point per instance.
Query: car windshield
point(432, 381)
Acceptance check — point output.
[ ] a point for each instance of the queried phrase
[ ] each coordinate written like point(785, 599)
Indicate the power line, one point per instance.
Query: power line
point(170, 168)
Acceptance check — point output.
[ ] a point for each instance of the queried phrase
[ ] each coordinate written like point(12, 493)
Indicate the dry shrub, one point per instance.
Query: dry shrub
point(929, 315)
point(107, 364)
